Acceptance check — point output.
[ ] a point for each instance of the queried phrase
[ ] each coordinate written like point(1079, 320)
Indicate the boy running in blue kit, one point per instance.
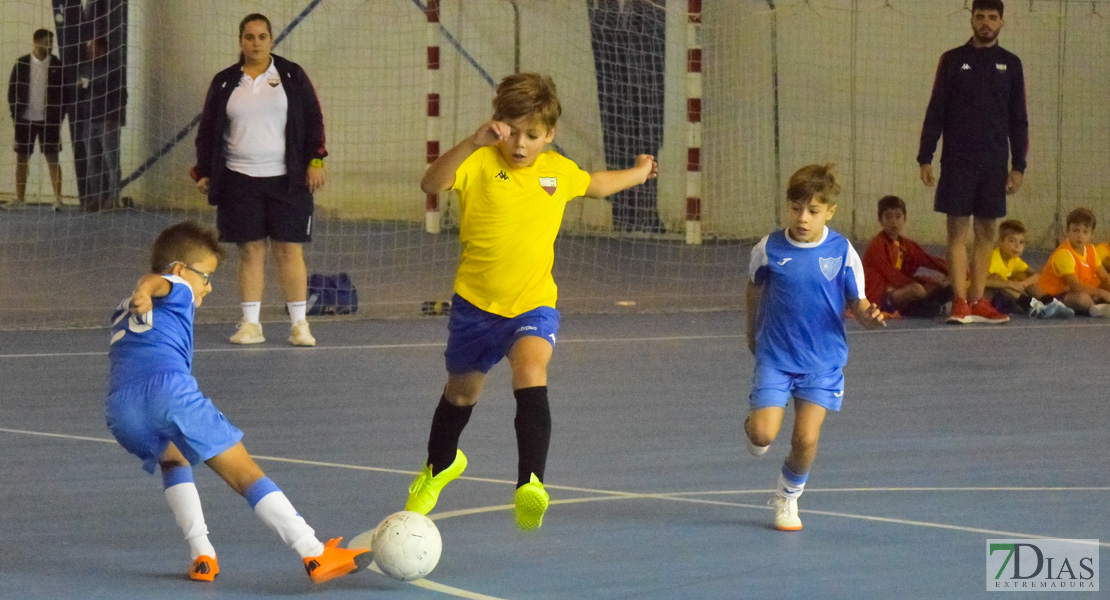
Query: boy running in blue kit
point(156, 411)
point(512, 195)
point(802, 278)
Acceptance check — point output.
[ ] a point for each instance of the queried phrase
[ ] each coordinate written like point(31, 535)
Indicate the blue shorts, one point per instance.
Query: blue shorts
point(477, 340)
point(772, 387)
point(148, 414)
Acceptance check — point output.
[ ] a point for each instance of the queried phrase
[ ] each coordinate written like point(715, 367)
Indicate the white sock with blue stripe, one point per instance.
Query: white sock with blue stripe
point(184, 500)
point(791, 484)
point(275, 510)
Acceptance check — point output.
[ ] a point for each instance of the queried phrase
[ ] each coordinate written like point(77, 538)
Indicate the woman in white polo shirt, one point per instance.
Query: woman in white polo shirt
point(260, 157)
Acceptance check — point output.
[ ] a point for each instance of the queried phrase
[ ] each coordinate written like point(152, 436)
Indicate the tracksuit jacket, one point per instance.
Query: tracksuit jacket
point(304, 126)
point(978, 104)
point(19, 89)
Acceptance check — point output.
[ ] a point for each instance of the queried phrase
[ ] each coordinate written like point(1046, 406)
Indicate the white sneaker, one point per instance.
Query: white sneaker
point(248, 333)
point(1057, 310)
point(1036, 309)
point(786, 513)
point(1099, 310)
point(299, 335)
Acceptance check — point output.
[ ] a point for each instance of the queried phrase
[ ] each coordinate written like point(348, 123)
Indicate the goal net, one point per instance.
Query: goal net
point(730, 96)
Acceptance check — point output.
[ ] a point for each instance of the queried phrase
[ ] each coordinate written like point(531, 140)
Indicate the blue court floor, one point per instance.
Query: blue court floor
point(950, 436)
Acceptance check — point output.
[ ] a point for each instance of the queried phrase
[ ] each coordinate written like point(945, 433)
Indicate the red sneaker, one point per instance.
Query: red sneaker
point(205, 568)
point(983, 312)
point(334, 562)
point(961, 312)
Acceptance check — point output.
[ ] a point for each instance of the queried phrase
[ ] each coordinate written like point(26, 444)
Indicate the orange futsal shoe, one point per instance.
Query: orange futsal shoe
point(205, 568)
point(334, 562)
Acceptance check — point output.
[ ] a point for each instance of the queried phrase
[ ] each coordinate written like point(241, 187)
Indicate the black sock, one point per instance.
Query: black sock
point(533, 432)
point(443, 441)
point(1023, 302)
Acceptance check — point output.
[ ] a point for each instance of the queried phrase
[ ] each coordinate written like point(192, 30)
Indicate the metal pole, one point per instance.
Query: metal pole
point(1061, 58)
point(775, 90)
point(516, 36)
point(852, 154)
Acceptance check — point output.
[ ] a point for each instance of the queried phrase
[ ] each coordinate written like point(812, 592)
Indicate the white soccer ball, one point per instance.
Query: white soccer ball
point(406, 545)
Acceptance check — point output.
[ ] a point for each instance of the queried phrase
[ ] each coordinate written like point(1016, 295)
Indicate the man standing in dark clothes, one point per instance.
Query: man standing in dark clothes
point(978, 106)
point(35, 104)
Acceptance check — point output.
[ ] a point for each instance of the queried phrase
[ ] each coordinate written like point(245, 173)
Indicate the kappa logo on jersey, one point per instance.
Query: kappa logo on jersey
point(502, 176)
point(830, 266)
point(966, 67)
point(784, 261)
point(548, 184)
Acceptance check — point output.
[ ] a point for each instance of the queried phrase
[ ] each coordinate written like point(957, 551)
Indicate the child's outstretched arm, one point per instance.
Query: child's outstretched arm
point(604, 183)
point(440, 176)
point(866, 313)
point(149, 287)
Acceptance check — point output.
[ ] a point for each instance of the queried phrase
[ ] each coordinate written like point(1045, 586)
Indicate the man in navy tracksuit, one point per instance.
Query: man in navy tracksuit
point(978, 106)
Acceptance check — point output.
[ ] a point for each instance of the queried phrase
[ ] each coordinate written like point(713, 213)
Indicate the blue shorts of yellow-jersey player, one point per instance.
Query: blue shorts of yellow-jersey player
point(477, 339)
point(772, 387)
point(147, 414)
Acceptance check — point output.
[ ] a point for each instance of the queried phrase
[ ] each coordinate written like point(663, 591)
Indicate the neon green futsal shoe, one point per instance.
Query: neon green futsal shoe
point(531, 503)
point(425, 489)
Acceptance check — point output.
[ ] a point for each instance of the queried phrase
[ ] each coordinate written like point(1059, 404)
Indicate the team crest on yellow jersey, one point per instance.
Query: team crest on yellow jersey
point(548, 184)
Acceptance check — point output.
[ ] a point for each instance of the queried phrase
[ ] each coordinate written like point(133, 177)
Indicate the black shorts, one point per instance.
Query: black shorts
point(972, 190)
point(48, 135)
point(255, 208)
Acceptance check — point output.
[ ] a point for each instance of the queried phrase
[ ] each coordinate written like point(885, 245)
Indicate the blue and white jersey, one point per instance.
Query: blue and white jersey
point(800, 328)
point(159, 341)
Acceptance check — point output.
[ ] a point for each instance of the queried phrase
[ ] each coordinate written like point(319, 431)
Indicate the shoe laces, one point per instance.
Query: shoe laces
point(419, 482)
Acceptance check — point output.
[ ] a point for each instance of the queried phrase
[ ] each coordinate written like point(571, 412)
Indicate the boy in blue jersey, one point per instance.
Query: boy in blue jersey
point(512, 195)
point(156, 411)
point(802, 279)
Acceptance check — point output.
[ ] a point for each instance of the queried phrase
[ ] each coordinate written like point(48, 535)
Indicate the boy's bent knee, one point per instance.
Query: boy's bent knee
point(760, 438)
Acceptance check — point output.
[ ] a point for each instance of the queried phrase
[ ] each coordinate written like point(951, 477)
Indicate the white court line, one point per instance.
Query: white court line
point(672, 338)
point(611, 495)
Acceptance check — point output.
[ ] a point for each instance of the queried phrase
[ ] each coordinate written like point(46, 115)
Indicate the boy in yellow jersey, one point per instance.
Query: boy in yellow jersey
point(512, 195)
point(1011, 284)
point(1073, 273)
point(1103, 251)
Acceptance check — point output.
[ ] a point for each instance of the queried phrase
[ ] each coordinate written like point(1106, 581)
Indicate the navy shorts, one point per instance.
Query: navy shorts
point(145, 416)
point(977, 190)
point(47, 134)
point(477, 339)
point(772, 387)
point(249, 209)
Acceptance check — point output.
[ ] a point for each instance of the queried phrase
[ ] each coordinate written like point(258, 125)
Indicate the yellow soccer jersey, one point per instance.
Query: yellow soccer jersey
point(509, 218)
point(1006, 268)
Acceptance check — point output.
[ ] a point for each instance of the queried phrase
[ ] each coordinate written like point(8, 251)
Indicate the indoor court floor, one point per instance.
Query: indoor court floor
point(949, 436)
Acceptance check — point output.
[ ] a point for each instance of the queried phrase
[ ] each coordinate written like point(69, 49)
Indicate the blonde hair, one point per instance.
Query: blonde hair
point(814, 181)
point(527, 95)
